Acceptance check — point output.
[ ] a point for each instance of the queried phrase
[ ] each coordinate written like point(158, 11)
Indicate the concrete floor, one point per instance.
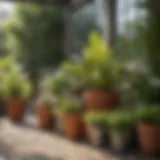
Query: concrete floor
point(27, 142)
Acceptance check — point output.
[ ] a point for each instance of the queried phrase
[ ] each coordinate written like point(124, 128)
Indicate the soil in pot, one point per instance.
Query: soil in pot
point(15, 108)
point(97, 100)
point(73, 126)
point(97, 136)
point(149, 138)
point(45, 117)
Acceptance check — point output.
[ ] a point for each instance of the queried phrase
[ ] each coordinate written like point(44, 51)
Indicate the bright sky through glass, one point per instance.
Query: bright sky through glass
point(6, 6)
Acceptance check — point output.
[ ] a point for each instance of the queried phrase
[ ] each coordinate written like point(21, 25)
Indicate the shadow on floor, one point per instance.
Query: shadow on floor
point(37, 157)
point(6, 152)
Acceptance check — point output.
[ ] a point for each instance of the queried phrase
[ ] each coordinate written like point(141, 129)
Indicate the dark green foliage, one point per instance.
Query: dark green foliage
point(70, 106)
point(149, 114)
point(119, 120)
point(96, 118)
point(2, 48)
point(152, 34)
point(34, 36)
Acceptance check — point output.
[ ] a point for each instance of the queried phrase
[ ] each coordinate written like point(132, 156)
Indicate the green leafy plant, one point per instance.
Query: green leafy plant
point(15, 85)
point(149, 114)
point(95, 119)
point(122, 120)
point(46, 100)
point(44, 23)
point(57, 84)
point(70, 106)
point(102, 70)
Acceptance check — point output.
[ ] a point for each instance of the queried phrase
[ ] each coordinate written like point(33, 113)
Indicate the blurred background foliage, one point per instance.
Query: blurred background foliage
point(33, 32)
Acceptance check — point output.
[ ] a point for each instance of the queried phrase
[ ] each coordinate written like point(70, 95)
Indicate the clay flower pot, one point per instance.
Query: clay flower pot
point(45, 117)
point(15, 108)
point(97, 100)
point(73, 126)
point(149, 138)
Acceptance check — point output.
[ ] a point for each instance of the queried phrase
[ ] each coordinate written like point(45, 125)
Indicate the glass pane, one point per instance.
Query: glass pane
point(83, 22)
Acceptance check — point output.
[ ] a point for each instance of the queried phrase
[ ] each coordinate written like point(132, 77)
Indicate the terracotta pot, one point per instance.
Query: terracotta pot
point(149, 138)
point(16, 108)
point(45, 117)
point(98, 100)
point(73, 126)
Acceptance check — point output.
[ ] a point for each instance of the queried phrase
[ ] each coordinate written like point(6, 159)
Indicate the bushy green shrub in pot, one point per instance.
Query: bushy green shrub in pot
point(103, 74)
point(121, 124)
point(45, 111)
point(96, 128)
point(16, 89)
point(72, 114)
point(148, 129)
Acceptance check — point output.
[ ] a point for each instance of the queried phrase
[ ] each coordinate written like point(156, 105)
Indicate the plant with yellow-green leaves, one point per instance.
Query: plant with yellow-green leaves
point(96, 69)
point(102, 69)
point(16, 85)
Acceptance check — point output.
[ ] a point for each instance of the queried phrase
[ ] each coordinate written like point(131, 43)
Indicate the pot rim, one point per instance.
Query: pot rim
point(148, 124)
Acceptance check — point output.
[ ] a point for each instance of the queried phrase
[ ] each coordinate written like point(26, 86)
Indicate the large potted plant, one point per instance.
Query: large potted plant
point(45, 112)
point(16, 89)
point(148, 129)
point(96, 128)
point(103, 74)
point(120, 124)
point(73, 125)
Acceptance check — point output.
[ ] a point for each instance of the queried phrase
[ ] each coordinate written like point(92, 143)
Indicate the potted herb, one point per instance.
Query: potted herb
point(120, 125)
point(103, 74)
point(72, 118)
point(95, 127)
point(45, 111)
point(17, 90)
point(57, 86)
point(149, 129)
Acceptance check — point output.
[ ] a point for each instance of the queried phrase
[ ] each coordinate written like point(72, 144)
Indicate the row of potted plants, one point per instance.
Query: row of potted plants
point(80, 100)
point(122, 125)
point(95, 77)
point(118, 125)
point(114, 129)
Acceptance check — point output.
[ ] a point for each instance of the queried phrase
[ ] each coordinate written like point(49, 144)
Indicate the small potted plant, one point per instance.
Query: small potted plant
point(149, 129)
point(17, 90)
point(95, 128)
point(57, 86)
point(45, 111)
point(120, 125)
point(103, 74)
point(72, 118)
